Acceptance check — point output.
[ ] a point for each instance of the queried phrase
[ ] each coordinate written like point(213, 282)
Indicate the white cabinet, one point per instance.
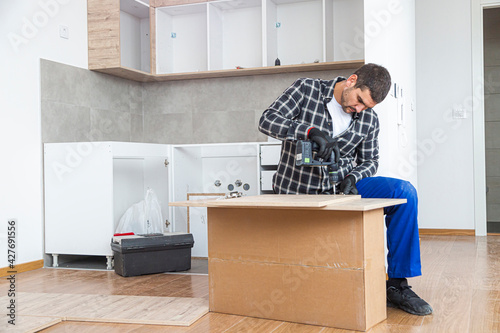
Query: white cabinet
point(269, 159)
point(181, 38)
point(229, 34)
point(294, 31)
point(88, 187)
point(235, 34)
point(134, 35)
point(209, 169)
point(212, 171)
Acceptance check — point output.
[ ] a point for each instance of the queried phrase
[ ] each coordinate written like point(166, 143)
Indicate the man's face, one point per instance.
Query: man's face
point(355, 99)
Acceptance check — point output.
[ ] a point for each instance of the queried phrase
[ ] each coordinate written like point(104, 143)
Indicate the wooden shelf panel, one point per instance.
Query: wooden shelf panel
point(136, 75)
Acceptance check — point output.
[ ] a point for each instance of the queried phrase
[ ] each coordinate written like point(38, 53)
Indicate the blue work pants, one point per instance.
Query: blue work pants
point(401, 221)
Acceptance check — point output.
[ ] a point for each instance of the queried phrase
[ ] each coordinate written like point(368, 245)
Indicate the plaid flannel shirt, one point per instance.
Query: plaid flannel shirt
point(303, 106)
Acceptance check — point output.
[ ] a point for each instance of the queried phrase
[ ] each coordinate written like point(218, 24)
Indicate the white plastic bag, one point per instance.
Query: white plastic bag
point(143, 217)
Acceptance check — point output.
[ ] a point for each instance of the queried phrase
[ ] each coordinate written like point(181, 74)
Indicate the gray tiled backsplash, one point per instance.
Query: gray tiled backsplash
point(81, 105)
point(106, 125)
point(64, 122)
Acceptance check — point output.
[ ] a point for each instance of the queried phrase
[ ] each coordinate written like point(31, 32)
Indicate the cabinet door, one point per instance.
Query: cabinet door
point(198, 226)
point(270, 155)
point(78, 198)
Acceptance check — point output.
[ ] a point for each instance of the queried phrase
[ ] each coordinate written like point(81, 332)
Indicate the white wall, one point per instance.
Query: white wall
point(444, 71)
point(390, 41)
point(30, 31)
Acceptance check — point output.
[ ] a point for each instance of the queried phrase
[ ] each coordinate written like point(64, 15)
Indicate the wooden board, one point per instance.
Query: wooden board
point(282, 201)
point(28, 324)
point(346, 205)
point(103, 25)
point(178, 311)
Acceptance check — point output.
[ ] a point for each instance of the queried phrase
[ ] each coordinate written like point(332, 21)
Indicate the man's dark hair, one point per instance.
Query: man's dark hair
point(376, 78)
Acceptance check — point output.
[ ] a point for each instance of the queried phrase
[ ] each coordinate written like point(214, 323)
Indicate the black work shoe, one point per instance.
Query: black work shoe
point(405, 299)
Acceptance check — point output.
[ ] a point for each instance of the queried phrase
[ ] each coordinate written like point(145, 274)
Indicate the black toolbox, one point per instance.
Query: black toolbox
point(149, 254)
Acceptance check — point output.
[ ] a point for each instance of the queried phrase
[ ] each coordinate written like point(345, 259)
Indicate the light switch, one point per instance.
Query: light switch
point(459, 113)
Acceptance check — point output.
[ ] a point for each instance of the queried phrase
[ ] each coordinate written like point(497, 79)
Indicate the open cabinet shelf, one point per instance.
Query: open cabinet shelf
point(193, 39)
point(132, 74)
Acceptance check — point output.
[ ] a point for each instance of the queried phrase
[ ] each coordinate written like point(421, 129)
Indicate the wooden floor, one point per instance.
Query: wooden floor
point(461, 280)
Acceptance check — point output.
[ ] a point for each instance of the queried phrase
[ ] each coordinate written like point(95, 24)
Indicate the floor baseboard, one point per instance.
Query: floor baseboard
point(19, 268)
point(448, 232)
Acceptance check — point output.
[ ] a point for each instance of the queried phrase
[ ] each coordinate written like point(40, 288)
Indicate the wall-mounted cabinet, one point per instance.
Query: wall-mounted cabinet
point(119, 34)
point(294, 31)
point(201, 38)
point(235, 34)
point(231, 34)
point(181, 39)
point(209, 36)
point(135, 50)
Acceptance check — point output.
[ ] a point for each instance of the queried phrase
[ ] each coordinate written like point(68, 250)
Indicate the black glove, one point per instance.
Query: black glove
point(348, 185)
point(326, 144)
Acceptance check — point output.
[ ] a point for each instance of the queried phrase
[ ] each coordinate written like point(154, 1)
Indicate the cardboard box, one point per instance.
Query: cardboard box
point(312, 266)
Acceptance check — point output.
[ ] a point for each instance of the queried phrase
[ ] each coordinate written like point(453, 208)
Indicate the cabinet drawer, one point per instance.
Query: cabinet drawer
point(270, 155)
point(266, 179)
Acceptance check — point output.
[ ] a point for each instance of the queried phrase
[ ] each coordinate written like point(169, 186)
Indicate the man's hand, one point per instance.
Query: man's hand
point(326, 144)
point(348, 185)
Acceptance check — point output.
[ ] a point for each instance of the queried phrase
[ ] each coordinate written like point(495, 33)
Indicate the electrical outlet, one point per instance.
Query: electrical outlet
point(64, 32)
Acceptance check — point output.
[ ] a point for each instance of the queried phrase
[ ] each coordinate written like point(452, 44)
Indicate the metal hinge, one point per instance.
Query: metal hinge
point(166, 162)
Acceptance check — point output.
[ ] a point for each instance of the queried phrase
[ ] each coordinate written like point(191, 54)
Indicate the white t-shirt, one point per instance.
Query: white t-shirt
point(341, 119)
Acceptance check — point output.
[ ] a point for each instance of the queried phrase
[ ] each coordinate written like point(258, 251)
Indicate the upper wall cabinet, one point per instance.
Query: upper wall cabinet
point(134, 35)
point(234, 34)
point(160, 40)
point(118, 34)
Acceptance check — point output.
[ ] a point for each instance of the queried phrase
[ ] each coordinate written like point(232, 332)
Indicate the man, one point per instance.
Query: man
point(338, 115)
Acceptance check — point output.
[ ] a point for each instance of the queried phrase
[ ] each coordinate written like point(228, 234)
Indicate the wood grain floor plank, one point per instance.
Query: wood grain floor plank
point(452, 291)
point(461, 280)
point(112, 308)
point(485, 314)
point(24, 324)
point(399, 317)
point(487, 271)
point(249, 324)
point(297, 328)
point(214, 323)
point(85, 327)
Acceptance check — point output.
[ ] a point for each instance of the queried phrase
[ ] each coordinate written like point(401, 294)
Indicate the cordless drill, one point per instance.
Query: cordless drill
point(304, 157)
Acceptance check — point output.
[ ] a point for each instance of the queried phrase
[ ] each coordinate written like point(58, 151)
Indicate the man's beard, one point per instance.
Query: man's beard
point(343, 102)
